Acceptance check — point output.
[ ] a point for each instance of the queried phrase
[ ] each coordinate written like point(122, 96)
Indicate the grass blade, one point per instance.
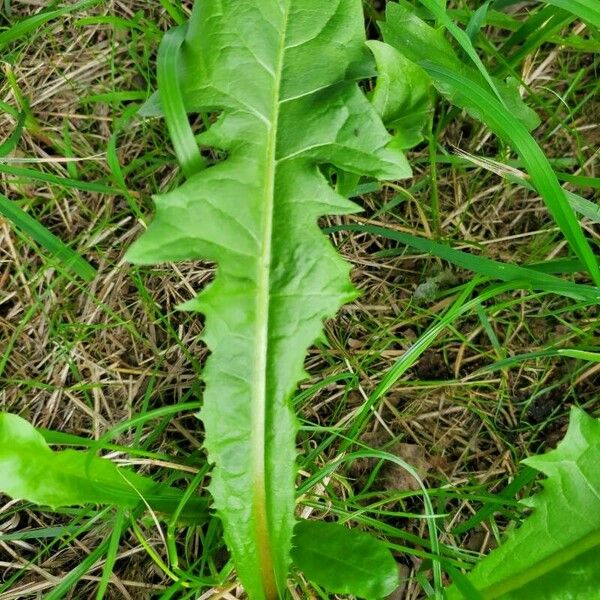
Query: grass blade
point(586, 208)
point(66, 182)
point(463, 39)
point(527, 277)
point(575, 353)
point(171, 100)
point(586, 10)
point(26, 26)
point(536, 30)
point(13, 139)
point(111, 553)
point(73, 576)
point(57, 248)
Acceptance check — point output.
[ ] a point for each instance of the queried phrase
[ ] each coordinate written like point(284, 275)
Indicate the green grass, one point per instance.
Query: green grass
point(448, 360)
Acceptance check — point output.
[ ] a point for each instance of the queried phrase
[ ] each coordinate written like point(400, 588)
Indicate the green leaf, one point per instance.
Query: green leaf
point(284, 77)
point(402, 95)
point(536, 29)
point(550, 352)
point(587, 10)
point(522, 276)
point(26, 26)
point(477, 21)
point(11, 142)
point(35, 175)
point(30, 470)
point(55, 246)
point(344, 561)
point(172, 103)
point(584, 207)
point(554, 554)
point(412, 36)
point(420, 42)
point(463, 40)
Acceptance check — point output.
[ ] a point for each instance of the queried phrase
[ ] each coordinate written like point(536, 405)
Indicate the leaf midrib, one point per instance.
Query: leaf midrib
point(259, 401)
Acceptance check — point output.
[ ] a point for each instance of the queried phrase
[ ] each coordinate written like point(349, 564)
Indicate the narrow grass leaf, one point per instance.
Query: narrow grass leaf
point(511, 361)
point(111, 553)
point(486, 108)
point(64, 182)
point(477, 21)
point(40, 533)
point(10, 143)
point(171, 100)
point(463, 39)
point(586, 10)
point(112, 157)
point(68, 582)
point(524, 477)
point(57, 248)
point(344, 561)
point(175, 11)
point(26, 26)
point(11, 110)
point(461, 306)
point(580, 180)
point(462, 583)
point(586, 208)
point(532, 33)
point(526, 277)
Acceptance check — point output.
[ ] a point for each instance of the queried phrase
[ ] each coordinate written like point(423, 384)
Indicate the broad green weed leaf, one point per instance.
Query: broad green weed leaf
point(283, 75)
point(554, 554)
point(420, 42)
point(344, 561)
point(402, 95)
point(30, 470)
